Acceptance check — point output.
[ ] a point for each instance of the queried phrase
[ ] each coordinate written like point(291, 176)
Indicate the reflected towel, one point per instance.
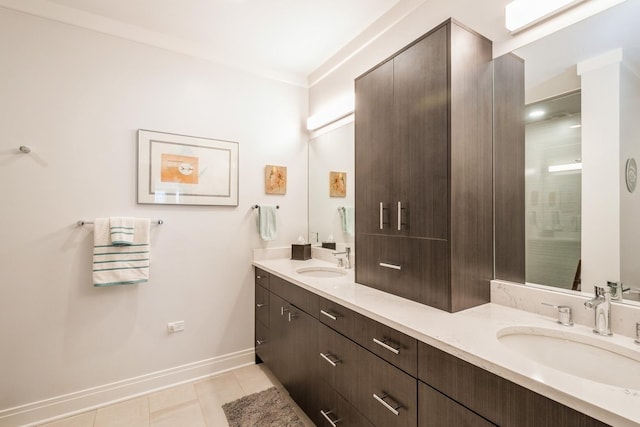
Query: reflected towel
point(120, 264)
point(121, 229)
point(347, 219)
point(267, 222)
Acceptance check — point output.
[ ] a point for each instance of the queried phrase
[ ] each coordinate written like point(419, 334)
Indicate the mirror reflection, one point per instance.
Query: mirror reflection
point(581, 224)
point(331, 187)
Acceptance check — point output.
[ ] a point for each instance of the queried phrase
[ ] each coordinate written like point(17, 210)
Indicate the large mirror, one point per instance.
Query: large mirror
point(331, 186)
point(582, 90)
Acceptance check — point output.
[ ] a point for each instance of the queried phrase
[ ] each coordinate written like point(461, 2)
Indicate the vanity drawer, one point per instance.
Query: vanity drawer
point(262, 306)
point(387, 396)
point(262, 278)
point(334, 407)
point(337, 317)
point(436, 409)
point(393, 346)
point(301, 298)
point(338, 361)
point(388, 343)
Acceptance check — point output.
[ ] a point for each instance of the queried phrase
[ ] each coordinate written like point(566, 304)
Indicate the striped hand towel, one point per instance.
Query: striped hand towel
point(118, 264)
point(121, 230)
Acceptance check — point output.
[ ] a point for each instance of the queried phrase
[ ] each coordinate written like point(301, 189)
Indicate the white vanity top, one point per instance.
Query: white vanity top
point(471, 335)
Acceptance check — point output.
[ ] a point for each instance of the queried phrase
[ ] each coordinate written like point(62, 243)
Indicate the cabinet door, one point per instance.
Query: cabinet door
point(262, 343)
point(376, 156)
point(421, 99)
point(338, 362)
point(302, 358)
point(435, 409)
point(280, 339)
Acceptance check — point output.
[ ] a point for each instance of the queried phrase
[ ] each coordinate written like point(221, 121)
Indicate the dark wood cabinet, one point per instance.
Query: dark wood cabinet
point(500, 401)
point(435, 410)
point(423, 161)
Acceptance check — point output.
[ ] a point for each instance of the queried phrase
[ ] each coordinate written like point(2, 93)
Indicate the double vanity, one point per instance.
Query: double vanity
point(353, 355)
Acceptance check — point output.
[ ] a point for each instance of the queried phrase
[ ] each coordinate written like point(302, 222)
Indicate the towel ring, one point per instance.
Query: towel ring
point(258, 207)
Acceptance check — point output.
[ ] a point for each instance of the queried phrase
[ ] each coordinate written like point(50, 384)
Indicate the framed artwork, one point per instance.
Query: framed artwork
point(337, 184)
point(186, 170)
point(275, 179)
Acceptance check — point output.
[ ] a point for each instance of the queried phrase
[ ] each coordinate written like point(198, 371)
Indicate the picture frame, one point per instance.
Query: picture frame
point(178, 169)
point(275, 179)
point(337, 184)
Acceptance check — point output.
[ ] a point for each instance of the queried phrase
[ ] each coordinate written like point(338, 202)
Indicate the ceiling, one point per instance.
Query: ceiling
point(283, 39)
point(290, 37)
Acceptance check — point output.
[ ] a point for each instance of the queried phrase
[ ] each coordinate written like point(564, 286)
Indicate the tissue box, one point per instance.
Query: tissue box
point(328, 245)
point(301, 252)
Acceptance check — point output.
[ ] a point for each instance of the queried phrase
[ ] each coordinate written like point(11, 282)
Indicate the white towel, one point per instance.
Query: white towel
point(347, 219)
point(122, 229)
point(120, 264)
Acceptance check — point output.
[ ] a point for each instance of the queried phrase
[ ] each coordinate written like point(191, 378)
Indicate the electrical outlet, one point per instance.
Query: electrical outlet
point(175, 326)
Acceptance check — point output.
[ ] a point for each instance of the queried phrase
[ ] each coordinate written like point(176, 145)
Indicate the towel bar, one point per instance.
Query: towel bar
point(257, 206)
point(81, 222)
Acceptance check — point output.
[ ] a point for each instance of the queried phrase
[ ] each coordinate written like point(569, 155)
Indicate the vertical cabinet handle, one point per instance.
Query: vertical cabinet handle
point(326, 414)
point(329, 315)
point(381, 216)
point(383, 344)
point(399, 216)
point(393, 409)
point(283, 310)
point(292, 316)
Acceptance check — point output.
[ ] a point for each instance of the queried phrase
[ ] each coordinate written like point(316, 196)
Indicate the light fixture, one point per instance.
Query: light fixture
point(339, 109)
point(520, 14)
point(566, 167)
point(536, 114)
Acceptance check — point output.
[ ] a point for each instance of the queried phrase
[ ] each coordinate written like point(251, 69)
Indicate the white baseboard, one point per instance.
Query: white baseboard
point(84, 400)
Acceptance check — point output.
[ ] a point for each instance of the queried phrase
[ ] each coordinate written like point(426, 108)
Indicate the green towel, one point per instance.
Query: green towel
point(267, 222)
point(346, 219)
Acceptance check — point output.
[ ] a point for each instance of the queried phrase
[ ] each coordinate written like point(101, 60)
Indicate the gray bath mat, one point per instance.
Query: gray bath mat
point(267, 408)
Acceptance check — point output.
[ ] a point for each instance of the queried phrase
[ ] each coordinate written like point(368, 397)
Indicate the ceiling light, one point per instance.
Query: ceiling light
point(520, 14)
point(536, 114)
point(566, 167)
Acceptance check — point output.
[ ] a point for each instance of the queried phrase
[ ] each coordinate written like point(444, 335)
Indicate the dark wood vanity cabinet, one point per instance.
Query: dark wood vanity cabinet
point(472, 390)
point(262, 315)
point(423, 161)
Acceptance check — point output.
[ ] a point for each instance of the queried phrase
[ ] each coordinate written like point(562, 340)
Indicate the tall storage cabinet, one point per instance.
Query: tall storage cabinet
point(423, 128)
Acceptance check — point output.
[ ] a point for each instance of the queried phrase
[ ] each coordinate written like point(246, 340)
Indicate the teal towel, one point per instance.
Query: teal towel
point(347, 219)
point(267, 222)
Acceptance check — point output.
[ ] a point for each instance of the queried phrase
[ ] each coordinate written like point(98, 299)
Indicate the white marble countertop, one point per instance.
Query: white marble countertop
point(471, 335)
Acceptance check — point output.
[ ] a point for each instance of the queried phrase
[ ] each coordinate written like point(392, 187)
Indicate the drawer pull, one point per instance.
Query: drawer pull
point(258, 277)
point(392, 266)
point(392, 409)
point(329, 315)
point(260, 342)
point(326, 417)
point(330, 358)
point(394, 350)
point(260, 305)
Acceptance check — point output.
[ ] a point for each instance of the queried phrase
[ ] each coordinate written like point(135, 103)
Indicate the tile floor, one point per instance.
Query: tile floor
point(193, 404)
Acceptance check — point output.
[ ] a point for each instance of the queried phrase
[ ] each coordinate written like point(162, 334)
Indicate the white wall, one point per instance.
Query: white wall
point(600, 78)
point(629, 202)
point(77, 99)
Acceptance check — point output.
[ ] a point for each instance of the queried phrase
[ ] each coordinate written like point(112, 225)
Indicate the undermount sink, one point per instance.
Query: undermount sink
point(322, 271)
point(589, 357)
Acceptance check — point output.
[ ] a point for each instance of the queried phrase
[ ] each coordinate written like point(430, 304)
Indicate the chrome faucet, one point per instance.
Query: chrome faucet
point(346, 261)
point(601, 304)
